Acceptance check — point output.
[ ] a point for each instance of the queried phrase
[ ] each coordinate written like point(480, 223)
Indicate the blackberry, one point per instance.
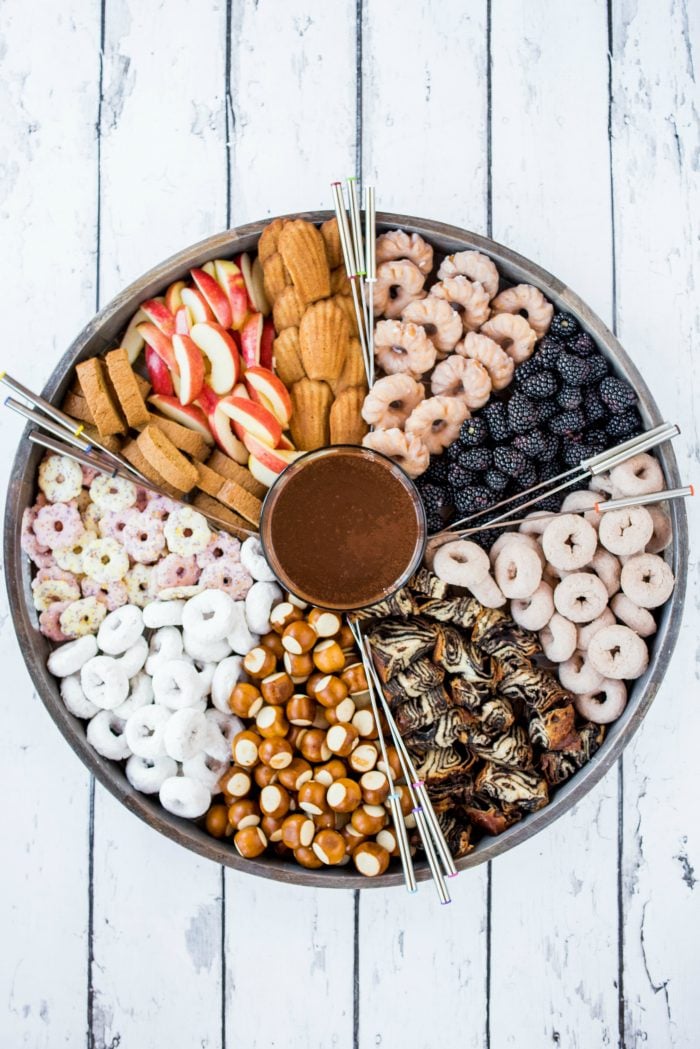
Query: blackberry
point(526, 370)
point(564, 326)
point(532, 443)
point(574, 452)
point(550, 449)
point(573, 370)
point(593, 407)
point(546, 471)
point(496, 418)
point(437, 471)
point(511, 461)
point(567, 423)
point(598, 369)
point(546, 410)
point(616, 394)
point(486, 539)
point(624, 424)
point(529, 476)
point(550, 504)
point(458, 476)
point(597, 440)
point(478, 459)
point(496, 481)
point(522, 412)
point(583, 345)
point(474, 432)
point(547, 352)
point(540, 385)
point(436, 502)
point(453, 453)
point(569, 397)
point(472, 498)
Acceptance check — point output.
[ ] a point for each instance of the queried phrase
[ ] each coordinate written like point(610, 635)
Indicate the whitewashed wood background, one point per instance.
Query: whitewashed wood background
point(568, 131)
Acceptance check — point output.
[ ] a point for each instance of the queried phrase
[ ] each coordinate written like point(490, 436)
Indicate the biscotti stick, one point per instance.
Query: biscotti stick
point(164, 457)
point(93, 383)
point(125, 386)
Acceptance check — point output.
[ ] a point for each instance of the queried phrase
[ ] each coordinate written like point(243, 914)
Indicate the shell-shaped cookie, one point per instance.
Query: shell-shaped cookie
point(303, 250)
point(353, 373)
point(311, 406)
point(346, 423)
point(275, 276)
point(324, 334)
point(287, 310)
point(346, 305)
point(340, 284)
point(287, 356)
point(269, 239)
point(331, 238)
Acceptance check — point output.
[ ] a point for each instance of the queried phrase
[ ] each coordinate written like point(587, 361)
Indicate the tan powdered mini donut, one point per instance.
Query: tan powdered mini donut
point(588, 630)
point(583, 501)
point(638, 619)
point(534, 612)
point(604, 704)
point(581, 597)
point(518, 570)
point(647, 580)
point(617, 652)
point(607, 567)
point(569, 542)
point(663, 532)
point(578, 675)
point(638, 476)
point(488, 593)
point(626, 531)
point(558, 639)
point(516, 537)
point(535, 522)
point(461, 563)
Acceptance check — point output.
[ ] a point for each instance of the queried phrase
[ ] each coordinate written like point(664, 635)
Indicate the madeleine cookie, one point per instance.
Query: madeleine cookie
point(311, 407)
point(287, 356)
point(348, 308)
point(93, 383)
point(302, 248)
point(275, 276)
point(340, 282)
point(269, 239)
point(164, 457)
point(331, 240)
point(353, 373)
point(346, 423)
point(324, 336)
point(287, 310)
point(127, 389)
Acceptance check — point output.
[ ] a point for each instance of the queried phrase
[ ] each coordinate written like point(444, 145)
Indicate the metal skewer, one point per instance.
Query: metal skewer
point(81, 442)
point(348, 259)
point(371, 270)
point(644, 500)
point(356, 238)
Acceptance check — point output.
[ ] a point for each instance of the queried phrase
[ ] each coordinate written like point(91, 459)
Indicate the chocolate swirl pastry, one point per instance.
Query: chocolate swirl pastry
point(418, 678)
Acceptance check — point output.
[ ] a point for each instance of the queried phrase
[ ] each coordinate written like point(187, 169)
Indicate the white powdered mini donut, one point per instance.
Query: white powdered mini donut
point(558, 639)
point(222, 729)
point(209, 616)
point(163, 613)
point(120, 630)
point(518, 570)
point(74, 698)
point(179, 593)
point(253, 560)
point(258, 605)
point(569, 542)
point(140, 695)
point(227, 674)
point(166, 644)
point(535, 523)
point(639, 475)
point(185, 734)
point(617, 652)
point(529, 539)
point(602, 483)
point(206, 675)
point(145, 730)
point(638, 619)
point(607, 567)
point(134, 659)
point(184, 797)
point(604, 704)
point(205, 769)
point(588, 630)
point(488, 592)
point(582, 502)
point(106, 734)
point(626, 531)
point(69, 658)
point(242, 639)
point(534, 612)
point(104, 682)
point(578, 675)
point(148, 775)
point(176, 685)
point(663, 531)
point(647, 580)
point(205, 651)
point(581, 597)
point(461, 563)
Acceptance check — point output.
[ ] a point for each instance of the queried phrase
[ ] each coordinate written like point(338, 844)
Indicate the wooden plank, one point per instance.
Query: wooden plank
point(48, 212)
point(156, 974)
point(657, 204)
point(554, 898)
point(413, 953)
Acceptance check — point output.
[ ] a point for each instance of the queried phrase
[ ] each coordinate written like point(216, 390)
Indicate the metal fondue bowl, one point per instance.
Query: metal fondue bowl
point(102, 334)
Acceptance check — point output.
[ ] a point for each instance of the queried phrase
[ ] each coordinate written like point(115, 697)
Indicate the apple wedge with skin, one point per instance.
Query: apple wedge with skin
point(264, 387)
point(217, 299)
point(266, 464)
point(133, 342)
point(159, 314)
point(220, 349)
point(197, 305)
point(159, 342)
point(173, 296)
point(225, 437)
point(250, 417)
point(188, 415)
point(183, 321)
point(256, 292)
point(266, 343)
point(191, 367)
point(251, 337)
point(158, 374)
point(231, 281)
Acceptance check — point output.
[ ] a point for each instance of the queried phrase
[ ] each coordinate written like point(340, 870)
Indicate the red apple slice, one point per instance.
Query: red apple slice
point(266, 388)
point(240, 390)
point(159, 342)
point(173, 297)
point(183, 321)
point(158, 373)
point(285, 444)
point(208, 267)
point(231, 281)
point(251, 336)
point(191, 367)
point(249, 417)
point(159, 314)
point(257, 278)
point(133, 342)
point(266, 342)
point(225, 437)
point(188, 415)
point(197, 305)
point(258, 302)
point(208, 400)
point(266, 464)
point(218, 346)
point(216, 298)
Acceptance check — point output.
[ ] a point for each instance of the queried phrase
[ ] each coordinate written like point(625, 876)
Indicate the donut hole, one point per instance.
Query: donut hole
point(187, 533)
point(457, 307)
point(430, 329)
point(58, 526)
point(400, 351)
point(105, 559)
point(437, 425)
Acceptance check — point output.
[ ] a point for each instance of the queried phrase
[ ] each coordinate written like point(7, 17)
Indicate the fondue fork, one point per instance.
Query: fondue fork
point(371, 270)
point(353, 277)
point(358, 250)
